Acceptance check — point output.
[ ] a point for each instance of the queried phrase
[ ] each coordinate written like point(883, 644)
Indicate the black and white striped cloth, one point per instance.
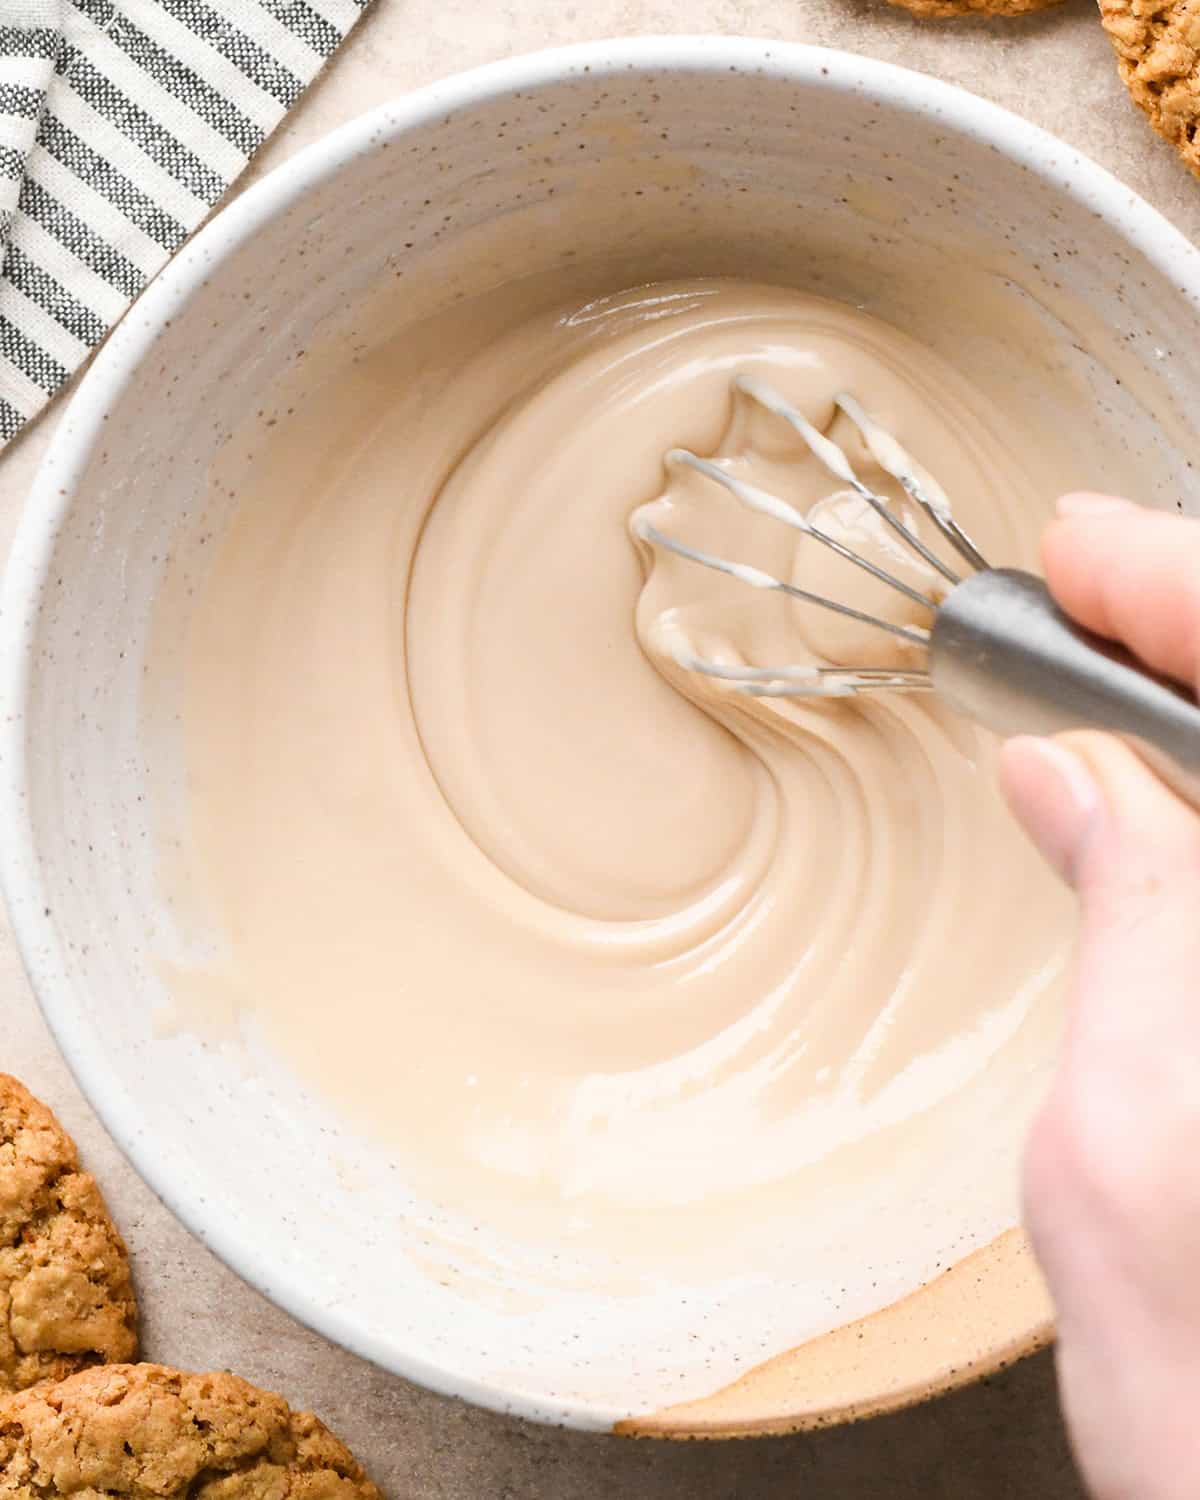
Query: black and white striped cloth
point(122, 122)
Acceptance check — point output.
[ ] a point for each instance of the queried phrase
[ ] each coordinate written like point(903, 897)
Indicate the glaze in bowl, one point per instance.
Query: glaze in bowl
point(658, 158)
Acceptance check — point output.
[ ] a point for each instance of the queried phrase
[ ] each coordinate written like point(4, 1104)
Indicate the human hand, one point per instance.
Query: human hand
point(1112, 1167)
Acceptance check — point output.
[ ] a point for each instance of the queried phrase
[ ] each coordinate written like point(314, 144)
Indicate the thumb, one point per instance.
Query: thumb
point(1122, 1114)
point(1055, 797)
point(1128, 846)
point(1111, 1196)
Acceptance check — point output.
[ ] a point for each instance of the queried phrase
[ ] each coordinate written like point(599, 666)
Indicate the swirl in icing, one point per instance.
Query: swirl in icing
point(596, 943)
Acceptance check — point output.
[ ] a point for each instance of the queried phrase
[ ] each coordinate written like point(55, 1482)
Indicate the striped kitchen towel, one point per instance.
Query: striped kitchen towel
point(122, 122)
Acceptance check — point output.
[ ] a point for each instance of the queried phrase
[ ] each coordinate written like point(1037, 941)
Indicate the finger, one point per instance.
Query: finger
point(1130, 849)
point(1053, 795)
point(1101, 817)
point(1137, 872)
point(1109, 1188)
point(1090, 503)
point(1132, 575)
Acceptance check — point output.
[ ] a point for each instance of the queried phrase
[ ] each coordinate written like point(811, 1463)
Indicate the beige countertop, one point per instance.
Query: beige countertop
point(1000, 1440)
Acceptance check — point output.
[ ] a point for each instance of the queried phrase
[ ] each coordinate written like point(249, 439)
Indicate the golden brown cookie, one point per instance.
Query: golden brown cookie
point(143, 1432)
point(939, 9)
point(1157, 43)
point(65, 1296)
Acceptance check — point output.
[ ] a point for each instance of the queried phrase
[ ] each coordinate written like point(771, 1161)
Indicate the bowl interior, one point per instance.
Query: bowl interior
point(1029, 269)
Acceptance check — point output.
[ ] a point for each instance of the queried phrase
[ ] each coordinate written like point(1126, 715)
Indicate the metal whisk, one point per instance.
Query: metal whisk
point(997, 648)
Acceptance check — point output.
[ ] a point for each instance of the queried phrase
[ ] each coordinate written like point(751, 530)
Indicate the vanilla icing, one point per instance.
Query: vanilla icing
point(601, 948)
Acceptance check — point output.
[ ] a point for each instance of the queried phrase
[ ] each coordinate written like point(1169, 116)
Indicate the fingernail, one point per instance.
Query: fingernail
point(1054, 797)
point(1085, 503)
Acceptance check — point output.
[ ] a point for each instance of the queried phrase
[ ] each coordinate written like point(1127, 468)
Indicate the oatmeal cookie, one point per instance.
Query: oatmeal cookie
point(143, 1432)
point(65, 1296)
point(939, 9)
point(1157, 43)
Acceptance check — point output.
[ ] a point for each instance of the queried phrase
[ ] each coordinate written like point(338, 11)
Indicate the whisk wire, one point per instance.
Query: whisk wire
point(771, 505)
point(893, 460)
point(811, 681)
point(756, 578)
point(806, 681)
point(828, 453)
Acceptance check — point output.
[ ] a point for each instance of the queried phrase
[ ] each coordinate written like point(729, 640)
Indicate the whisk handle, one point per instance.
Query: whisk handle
point(1003, 653)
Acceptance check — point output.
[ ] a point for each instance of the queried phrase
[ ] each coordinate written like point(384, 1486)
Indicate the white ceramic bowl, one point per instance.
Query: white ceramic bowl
point(784, 162)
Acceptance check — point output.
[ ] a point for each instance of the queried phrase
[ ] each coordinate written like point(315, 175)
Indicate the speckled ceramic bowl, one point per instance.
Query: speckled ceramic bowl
point(842, 175)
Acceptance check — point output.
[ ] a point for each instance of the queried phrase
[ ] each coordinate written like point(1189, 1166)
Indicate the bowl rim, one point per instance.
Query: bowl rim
point(49, 503)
